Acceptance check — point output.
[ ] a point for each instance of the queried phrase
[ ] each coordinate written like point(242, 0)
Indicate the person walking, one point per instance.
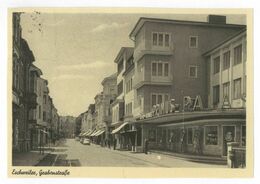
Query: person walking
point(146, 146)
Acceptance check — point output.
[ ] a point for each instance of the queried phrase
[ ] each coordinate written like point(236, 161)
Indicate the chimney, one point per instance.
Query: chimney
point(216, 19)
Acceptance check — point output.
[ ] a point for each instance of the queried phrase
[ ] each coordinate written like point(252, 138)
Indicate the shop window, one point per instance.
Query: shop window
point(211, 135)
point(190, 135)
point(152, 135)
point(139, 136)
point(243, 135)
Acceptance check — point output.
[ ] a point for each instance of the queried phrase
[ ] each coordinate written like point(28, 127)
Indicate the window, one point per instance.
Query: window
point(167, 40)
point(44, 99)
point(154, 69)
point(44, 116)
point(129, 85)
point(154, 38)
point(243, 136)
point(216, 65)
point(120, 66)
point(237, 88)
point(193, 71)
point(128, 108)
point(226, 60)
point(120, 88)
point(190, 135)
point(226, 90)
point(153, 100)
point(161, 39)
point(152, 134)
point(160, 69)
point(211, 135)
point(215, 95)
point(193, 42)
point(40, 111)
point(166, 69)
point(237, 54)
point(159, 98)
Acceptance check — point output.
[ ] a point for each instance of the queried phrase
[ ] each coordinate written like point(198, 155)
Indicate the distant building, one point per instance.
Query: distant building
point(67, 126)
point(103, 114)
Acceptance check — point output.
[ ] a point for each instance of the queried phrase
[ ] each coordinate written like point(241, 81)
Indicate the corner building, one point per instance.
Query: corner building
point(168, 59)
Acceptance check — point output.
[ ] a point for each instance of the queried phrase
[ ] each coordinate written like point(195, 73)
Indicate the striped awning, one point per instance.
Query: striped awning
point(119, 128)
point(93, 134)
point(100, 132)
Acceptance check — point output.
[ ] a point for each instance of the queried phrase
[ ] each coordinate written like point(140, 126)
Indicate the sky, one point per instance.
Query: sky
point(75, 51)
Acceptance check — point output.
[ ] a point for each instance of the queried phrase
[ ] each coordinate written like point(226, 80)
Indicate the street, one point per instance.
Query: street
point(73, 153)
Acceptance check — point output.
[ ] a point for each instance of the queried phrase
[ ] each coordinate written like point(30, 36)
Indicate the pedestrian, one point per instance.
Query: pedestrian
point(114, 144)
point(146, 146)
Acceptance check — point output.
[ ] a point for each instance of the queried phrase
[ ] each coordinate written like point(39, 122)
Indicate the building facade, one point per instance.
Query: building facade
point(168, 59)
point(175, 68)
point(22, 98)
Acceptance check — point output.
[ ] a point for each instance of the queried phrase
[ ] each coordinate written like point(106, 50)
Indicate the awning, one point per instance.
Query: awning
point(93, 134)
point(100, 132)
point(90, 132)
point(85, 134)
point(119, 128)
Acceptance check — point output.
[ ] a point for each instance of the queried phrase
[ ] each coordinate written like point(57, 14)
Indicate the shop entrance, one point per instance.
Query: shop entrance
point(228, 136)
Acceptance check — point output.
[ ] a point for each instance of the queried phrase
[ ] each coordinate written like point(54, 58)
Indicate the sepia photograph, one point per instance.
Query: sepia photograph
point(129, 90)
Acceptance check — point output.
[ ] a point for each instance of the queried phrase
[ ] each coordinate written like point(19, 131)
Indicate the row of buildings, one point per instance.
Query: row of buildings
point(35, 120)
point(182, 87)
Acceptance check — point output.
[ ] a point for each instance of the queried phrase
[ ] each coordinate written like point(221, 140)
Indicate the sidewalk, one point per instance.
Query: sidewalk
point(30, 158)
point(33, 157)
point(155, 155)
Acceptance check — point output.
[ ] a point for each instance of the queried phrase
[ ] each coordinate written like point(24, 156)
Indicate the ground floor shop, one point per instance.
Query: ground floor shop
point(203, 134)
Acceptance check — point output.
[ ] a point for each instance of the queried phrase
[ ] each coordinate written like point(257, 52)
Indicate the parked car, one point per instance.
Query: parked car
point(86, 141)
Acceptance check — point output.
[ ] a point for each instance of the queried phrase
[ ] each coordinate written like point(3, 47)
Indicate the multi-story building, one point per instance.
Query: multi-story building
point(227, 72)
point(103, 115)
point(23, 100)
point(172, 61)
point(35, 74)
point(124, 61)
point(168, 58)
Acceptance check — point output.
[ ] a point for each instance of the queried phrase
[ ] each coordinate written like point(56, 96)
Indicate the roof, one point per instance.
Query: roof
point(113, 76)
point(122, 50)
point(142, 20)
point(241, 32)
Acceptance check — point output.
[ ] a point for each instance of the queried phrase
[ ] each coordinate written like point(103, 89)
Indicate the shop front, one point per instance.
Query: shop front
point(206, 134)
